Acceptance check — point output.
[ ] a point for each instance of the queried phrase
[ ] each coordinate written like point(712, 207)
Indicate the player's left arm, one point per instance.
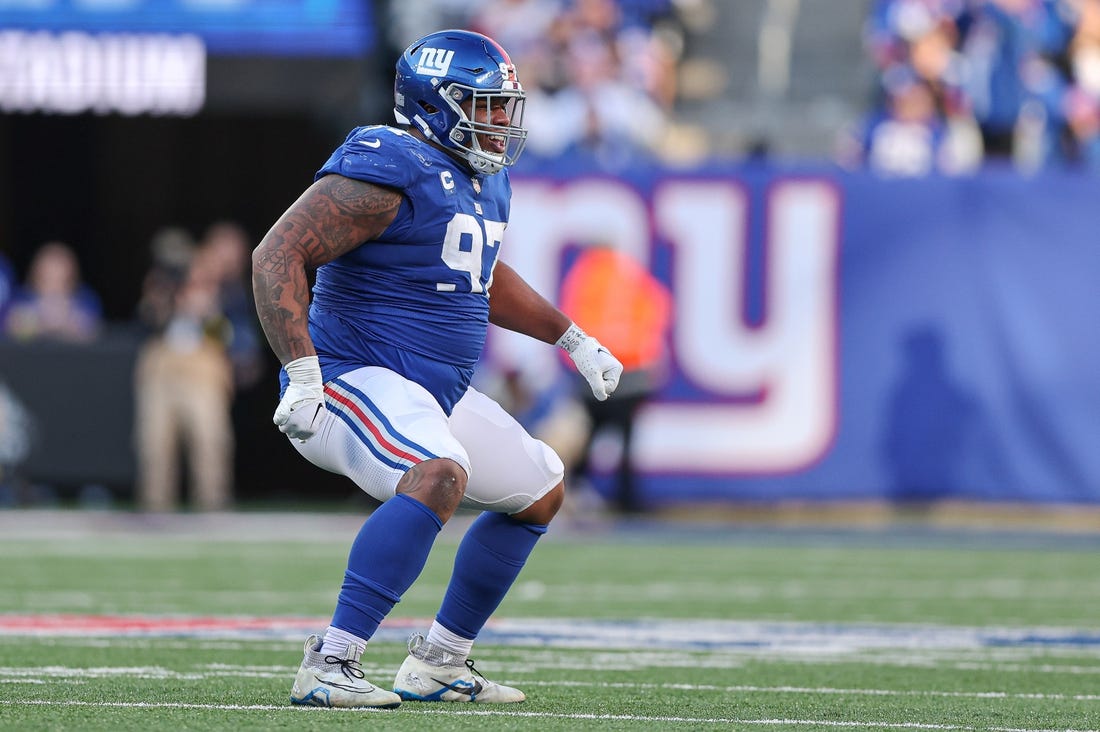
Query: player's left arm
point(515, 305)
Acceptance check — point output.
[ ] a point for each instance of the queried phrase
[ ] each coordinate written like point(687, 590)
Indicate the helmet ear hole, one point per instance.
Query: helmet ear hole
point(429, 108)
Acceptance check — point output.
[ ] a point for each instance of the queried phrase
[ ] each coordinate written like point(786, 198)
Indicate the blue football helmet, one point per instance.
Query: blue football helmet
point(437, 74)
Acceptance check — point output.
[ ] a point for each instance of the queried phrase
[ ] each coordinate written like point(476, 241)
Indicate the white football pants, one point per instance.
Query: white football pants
point(381, 424)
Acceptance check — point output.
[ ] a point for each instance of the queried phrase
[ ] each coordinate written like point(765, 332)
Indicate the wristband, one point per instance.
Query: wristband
point(571, 338)
point(305, 371)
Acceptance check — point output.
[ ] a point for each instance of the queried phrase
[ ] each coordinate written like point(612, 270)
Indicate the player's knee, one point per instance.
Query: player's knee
point(544, 509)
point(439, 484)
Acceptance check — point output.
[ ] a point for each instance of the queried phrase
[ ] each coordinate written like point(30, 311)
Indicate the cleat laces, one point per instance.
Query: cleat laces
point(348, 666)
point(474, 671)
point(475, 674)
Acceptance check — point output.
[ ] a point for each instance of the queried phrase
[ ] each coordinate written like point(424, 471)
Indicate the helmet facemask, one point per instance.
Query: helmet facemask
point(464, 136)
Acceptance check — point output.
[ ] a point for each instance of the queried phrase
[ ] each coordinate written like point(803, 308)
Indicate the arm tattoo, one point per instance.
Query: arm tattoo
point(334, 216)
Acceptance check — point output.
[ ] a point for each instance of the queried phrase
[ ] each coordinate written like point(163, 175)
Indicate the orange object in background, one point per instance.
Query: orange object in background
point(628, 310)
point(618, 302)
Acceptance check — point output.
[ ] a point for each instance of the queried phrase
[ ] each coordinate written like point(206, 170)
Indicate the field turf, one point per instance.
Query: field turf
point(123, 622)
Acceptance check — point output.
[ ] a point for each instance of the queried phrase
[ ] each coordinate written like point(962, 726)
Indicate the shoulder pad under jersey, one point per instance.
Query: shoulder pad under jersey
point(379, 154)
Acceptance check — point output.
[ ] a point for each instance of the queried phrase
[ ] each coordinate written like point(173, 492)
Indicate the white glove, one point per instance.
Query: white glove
point(301, 411)
point(594, 362)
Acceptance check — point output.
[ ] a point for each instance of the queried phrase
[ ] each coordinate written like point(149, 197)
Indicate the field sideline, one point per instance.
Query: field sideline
point(119, 621)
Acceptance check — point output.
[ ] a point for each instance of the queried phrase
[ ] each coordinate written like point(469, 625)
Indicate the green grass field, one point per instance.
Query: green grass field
point(116, 622)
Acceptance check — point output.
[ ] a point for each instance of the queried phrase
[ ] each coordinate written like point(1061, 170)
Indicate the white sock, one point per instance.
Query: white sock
point(448, 641)
point(342, 644)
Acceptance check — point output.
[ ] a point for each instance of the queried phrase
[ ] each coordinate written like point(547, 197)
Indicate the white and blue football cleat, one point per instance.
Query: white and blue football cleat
point(430, 674)
point(326, 680)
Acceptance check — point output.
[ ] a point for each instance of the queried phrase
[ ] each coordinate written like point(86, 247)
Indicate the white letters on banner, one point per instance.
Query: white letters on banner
point(771, 387)
point(125, 73)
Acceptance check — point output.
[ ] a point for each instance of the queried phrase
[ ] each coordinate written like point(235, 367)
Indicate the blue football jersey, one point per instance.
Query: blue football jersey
point(414, 300)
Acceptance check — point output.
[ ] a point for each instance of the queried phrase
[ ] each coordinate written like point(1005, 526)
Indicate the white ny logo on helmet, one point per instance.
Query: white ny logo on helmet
point(434, 61)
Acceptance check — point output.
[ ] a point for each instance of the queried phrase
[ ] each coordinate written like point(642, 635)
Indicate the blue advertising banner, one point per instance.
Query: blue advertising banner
point(227, 27)
point(843, 337)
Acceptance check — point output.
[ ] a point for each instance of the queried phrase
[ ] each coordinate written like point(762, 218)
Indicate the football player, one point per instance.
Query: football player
point(404, 225)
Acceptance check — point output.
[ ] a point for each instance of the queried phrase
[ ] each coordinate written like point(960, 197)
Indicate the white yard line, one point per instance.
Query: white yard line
point(44, 674)
point(525, 714)
point(855, 724)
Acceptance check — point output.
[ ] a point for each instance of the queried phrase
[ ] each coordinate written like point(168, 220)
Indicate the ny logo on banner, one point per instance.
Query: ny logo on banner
point(434, 61)
point(765, 386)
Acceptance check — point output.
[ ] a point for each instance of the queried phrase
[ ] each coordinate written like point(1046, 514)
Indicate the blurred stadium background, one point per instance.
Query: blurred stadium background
point(862, 321)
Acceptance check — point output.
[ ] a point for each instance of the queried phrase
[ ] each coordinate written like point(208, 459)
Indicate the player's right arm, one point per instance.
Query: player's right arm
point(332, 217)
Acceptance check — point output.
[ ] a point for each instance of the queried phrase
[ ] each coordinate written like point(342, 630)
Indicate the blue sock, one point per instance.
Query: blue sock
point(489, 559)
point(385, 559)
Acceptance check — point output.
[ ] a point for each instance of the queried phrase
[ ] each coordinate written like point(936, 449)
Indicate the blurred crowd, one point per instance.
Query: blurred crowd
point(53, 301)
point(958, 84)
point(602, 75)
point(968, 83)
point(199, 345)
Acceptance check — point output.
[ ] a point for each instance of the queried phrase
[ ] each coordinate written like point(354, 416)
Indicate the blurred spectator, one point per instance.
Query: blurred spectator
point(521, 26)
point(894, 26)
point(910, 136)
point(230, 254)
point(600, 80)
point(1000, 40)
point(54, 303)
point(612, 119)
point(1066, 118)
point(1083, 100)
point(171, 249)
point(184, 379)
point(628, 310)
point(1084, 48)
